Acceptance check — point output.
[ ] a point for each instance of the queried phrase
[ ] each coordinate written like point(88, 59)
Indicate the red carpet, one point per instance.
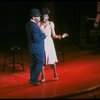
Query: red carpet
point(80, 71)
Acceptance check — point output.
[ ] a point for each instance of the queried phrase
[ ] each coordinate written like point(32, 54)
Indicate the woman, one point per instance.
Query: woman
point(48, 28)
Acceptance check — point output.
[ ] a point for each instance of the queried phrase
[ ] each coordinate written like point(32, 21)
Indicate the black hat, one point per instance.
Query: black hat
point(35, 13)
point(45, 11)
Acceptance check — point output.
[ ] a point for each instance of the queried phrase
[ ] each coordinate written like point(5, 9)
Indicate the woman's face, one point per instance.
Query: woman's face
point(98, 18)
point(45, 17)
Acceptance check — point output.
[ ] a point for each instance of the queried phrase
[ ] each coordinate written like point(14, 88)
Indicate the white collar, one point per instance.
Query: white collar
point(33, 20)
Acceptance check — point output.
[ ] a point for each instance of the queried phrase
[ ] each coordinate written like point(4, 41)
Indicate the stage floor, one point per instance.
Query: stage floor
point(78, 74)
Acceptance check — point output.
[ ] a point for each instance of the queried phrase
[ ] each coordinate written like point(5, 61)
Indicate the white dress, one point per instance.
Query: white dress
point(50, 52)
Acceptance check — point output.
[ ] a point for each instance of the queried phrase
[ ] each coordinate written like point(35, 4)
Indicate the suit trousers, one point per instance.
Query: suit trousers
point(37, 62)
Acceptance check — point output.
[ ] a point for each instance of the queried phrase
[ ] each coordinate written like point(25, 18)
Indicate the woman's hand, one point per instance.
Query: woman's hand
point(65, 35)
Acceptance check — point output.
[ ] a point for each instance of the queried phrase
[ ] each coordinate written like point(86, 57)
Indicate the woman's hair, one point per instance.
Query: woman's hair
point(45, 11)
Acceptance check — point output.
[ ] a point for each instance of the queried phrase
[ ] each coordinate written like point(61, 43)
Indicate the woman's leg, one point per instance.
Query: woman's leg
point(55, 71)
point(43, 75)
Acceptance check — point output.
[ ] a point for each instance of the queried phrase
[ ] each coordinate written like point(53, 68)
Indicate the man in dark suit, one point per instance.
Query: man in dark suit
point(36, 46)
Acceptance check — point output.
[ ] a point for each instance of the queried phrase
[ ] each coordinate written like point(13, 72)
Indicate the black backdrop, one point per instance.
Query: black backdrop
point(66, 15)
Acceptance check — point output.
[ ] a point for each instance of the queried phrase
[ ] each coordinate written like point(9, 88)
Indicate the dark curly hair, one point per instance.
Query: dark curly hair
point(45, 11)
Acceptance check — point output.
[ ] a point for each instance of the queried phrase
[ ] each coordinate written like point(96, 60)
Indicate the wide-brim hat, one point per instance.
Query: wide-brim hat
point(35, 13)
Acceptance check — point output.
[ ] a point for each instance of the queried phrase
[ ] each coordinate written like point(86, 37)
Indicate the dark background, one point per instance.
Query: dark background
point(67, 16)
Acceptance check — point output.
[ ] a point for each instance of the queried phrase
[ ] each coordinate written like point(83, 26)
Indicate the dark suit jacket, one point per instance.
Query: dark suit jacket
point(35, 38)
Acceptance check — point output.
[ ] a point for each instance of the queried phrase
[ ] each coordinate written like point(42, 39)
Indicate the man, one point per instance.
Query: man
point(36, 46)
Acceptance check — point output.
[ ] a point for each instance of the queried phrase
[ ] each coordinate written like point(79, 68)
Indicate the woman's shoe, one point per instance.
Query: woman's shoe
point(43, 80)
point(56, 78)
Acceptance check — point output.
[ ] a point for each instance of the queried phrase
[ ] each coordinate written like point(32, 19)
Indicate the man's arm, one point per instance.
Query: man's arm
point(37, 34)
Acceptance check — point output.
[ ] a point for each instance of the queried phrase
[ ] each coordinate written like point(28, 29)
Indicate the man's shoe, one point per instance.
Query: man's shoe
point(34, 83)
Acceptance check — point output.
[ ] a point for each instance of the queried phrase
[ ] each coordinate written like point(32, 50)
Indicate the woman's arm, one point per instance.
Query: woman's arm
point(54, 35)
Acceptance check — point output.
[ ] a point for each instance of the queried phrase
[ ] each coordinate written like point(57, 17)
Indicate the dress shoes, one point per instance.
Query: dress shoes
point(34, 83)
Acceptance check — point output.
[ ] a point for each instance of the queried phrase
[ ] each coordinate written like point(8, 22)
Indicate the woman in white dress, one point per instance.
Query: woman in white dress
point(48, 28)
